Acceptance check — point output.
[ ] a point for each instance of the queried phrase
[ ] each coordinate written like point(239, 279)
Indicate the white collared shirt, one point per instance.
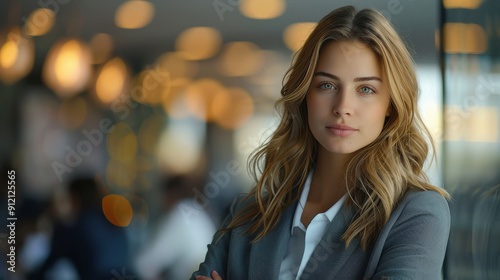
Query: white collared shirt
point(303, 241)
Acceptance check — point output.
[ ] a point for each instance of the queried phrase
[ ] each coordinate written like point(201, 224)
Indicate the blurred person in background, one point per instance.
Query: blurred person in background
point(184, 230)
point(93, 245)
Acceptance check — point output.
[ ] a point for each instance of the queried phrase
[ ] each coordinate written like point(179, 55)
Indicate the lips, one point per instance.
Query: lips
point(341, 130)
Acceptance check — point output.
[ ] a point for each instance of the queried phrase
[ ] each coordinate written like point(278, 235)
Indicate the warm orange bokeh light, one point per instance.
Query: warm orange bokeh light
point(296, 34)
point(176, 66)
point(462, 4)
point(112, 80)
point(17, 55)
point(8, 54)
point(241, 59)
point(102, 47)
point(117, 210)
point(262, 9)
point(40, 22)
point(199, 97)
point(121, 143)
point(198, 43)
point(149, 133)
point(464, 38)
point(150, 86)
point(232, 108)
point(134, 14)
point(121, 174)
point(66, 64)
point(67, 67)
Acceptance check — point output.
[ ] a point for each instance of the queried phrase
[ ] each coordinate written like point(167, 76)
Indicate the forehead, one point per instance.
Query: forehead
point(350, 58)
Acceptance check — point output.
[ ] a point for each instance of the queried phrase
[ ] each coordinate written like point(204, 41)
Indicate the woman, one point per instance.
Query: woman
point(342, 193)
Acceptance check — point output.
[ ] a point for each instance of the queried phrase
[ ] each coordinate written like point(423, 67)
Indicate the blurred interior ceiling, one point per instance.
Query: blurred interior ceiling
point(416, 21)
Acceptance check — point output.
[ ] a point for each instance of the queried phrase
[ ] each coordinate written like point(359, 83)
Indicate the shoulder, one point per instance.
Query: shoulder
point(240, 202)
point(420, 224)
point(418, 209)
point(430, 202)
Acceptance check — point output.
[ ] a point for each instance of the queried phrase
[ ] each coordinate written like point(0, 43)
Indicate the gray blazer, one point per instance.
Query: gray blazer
point(411, 245)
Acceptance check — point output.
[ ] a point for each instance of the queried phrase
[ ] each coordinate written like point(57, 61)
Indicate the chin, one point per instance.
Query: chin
point(340, 150)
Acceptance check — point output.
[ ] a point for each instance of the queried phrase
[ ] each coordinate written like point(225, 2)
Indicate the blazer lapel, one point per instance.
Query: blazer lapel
point(331, 255)
point(267, 254)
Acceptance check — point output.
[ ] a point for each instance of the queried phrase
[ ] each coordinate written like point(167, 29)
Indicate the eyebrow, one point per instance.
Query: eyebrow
point(359, 79)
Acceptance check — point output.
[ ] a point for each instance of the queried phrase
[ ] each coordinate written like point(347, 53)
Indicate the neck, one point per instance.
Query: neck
point(328, 182)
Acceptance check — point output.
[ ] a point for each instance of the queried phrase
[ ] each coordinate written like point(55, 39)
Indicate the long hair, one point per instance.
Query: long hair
point(379, 174)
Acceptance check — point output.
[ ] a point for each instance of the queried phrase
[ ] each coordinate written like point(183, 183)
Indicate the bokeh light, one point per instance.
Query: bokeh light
point(142, 182)
point(150, 86)
point(112, 80)
point(199, 97)
point(121, 143)
point(121, 174)
point(17, 55)
point(39, 22)
point(296, 34)
point(145, 162)
point(134, 14)
point(241, 59)
point(117, 210)
point(482, 124)
point(149, 133)
point(198, 43)
point(232, 108)
point(462, 4)
point(176, 66)
point(102, 47)
point(174, 103)
point(72, 112)
point(181, 146)
point(262, 9)
point(8, 54)
point(464, 38)
point(67, 67)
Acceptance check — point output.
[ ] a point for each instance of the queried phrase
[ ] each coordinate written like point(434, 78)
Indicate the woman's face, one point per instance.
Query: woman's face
point(348, 99)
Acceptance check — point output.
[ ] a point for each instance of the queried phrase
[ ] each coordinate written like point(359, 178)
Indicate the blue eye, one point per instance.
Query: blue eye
point(366, 90)
point(327, 86)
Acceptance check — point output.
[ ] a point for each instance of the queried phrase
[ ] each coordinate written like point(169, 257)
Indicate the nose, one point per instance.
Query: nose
point(342, 104)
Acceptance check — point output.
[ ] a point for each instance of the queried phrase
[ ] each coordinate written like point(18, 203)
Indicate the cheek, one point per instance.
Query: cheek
point(316, 105)
point(381, 115)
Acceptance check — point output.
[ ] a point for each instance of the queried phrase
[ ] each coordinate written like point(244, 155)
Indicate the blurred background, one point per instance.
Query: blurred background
point(128, 124)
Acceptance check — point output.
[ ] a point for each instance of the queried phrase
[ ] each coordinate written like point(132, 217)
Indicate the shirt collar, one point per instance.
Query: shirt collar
point(302, 202)
point(330, 213)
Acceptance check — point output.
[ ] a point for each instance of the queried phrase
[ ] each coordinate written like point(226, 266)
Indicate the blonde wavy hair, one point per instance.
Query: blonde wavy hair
point(378, 175)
